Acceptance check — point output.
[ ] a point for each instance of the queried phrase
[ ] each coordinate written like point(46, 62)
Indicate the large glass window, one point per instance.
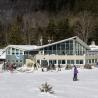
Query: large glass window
point(72, 61)
point(58, 46)
point(79, 61)
point(79, 49)
point(50, 62)
point(90, 61)
point(54, 47)
point(69, 47)
point(63, 46)
point(50, 50)
point(68, 61)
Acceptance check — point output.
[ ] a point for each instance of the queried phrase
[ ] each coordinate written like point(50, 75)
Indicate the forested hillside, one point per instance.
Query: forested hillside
point(27, 21)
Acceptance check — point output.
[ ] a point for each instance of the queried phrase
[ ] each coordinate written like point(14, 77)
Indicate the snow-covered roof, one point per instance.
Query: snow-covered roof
point(93, 46)
point(1, 51)
point(35, 47)
point(23, 47)
point(2, 54)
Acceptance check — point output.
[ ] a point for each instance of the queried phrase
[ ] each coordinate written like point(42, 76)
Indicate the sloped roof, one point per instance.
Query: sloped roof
point(23, 47)
point(2, 54)
point(35, 47)
point(93, 47)
point(75, 38)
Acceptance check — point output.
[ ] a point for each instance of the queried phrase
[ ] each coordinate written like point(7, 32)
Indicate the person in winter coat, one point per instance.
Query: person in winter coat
point(75, 73)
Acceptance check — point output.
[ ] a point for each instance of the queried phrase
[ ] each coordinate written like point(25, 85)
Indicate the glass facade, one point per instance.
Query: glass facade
point(70, 47)
point(79, 61)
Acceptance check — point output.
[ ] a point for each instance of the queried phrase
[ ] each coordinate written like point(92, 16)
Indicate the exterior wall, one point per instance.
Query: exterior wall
point(91, 59)
point(61, 57)
point(13, 59)
point(16, 56)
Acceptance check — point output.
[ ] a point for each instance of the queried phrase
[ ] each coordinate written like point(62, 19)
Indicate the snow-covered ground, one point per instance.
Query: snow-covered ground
point(26, 85)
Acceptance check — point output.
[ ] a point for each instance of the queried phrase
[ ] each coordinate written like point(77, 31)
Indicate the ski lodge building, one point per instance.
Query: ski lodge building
point(68, 51)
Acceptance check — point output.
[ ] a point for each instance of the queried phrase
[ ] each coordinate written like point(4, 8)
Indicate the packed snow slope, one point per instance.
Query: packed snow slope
point(26, 85)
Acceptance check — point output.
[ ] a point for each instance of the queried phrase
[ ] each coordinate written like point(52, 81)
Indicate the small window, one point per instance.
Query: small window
point(72, 61)
point(63, 61)
point(20, 60)
point(81, 61)
point(68, 61)
point(89, 61)
point(50, 61)
point(16, 60)
point(21, 52)
point(13, 53)
point(54, 61)
point(77, 61)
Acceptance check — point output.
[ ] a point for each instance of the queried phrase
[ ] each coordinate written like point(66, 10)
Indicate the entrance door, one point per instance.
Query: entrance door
point(44, 63)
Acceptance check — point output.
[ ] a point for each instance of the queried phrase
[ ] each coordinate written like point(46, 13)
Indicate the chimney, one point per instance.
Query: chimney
point(93, 43)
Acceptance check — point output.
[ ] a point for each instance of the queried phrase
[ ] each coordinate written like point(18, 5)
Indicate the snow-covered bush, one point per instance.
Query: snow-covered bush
point(87, 66)
point(68, 67)
point(45, 87)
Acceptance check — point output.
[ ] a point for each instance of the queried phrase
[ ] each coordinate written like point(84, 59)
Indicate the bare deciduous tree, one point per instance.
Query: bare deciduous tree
point(27, 26)
point(84, 25)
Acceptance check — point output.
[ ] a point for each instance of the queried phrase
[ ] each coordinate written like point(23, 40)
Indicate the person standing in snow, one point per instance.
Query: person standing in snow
point(75, 73)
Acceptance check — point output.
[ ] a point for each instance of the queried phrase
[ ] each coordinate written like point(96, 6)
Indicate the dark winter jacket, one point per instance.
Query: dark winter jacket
point(75, 70)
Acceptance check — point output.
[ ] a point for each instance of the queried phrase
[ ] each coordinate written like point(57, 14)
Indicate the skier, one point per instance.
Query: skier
point(75, 73)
